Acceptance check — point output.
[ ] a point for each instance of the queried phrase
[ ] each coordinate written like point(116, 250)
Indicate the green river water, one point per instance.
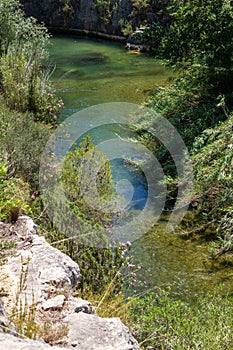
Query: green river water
point(90, 72)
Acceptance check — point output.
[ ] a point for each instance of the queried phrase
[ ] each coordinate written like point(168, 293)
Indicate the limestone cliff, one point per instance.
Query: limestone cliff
point(80, 14)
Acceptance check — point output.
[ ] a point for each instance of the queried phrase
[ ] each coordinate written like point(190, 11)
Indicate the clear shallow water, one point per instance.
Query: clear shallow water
point(90, 72)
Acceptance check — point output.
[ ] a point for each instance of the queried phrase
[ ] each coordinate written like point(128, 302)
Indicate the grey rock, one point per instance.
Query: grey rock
point(55, 303)
point(5, 325)
point(90, 332)
point(46, 270)
point(83, 15)
point(79, 305)
point(10, 342)
point(47, 277)
point(26, 227)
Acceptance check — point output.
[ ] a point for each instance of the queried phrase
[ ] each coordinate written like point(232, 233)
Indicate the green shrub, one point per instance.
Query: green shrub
point(84, 170)
point(161, 322)
point(21, 144)
point(24, 79)
point(14, 196)
point(213, 198)
point(25, 86)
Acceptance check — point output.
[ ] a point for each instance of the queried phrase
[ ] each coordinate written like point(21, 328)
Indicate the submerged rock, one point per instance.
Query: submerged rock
point(134, 42)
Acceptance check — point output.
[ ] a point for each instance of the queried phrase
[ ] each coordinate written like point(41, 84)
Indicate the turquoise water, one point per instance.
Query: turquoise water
point(90, 72)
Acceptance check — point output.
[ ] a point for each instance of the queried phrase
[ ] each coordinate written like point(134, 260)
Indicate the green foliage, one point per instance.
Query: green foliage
point(126, 26)
point(14, 196)
point(163, 323)
point(104, 9)
point(140, 7)
point(86, 171)
point(199, 45)
point(149, 14)
point(22, 153)
point(24, 80)
point(187, 104)
point(25, 86)
point(202, 33)
point(213, 166)
point(21, 31)
point(152, 36)
point(84, 236)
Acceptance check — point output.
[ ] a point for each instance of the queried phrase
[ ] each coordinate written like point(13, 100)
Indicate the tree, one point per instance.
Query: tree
point(88, 183)
point(24, 79)
point(16, 29)
point(202, 33)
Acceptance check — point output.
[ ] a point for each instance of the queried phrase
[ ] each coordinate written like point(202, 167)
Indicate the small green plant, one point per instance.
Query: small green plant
point(52, 333)
point(161, 322)
point(5, 248)
point(104, 10)
point(126, 26)
point(22, 154)
point(14, 196)
point(23, 316)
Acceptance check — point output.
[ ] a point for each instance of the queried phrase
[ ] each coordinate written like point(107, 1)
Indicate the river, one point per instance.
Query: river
point(90, 72)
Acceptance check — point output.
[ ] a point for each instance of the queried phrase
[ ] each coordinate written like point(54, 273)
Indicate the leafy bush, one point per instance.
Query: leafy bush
point(22, 153)
point(14, 196)
point(200, 48)
point(86, 170)
point(163, 323)
point(187, 104)
point(24, 79)
point(213, 166)
point(21, 31)
point(25, 86)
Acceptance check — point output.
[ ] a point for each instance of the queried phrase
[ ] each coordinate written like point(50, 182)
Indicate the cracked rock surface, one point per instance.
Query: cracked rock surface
point(47, 278)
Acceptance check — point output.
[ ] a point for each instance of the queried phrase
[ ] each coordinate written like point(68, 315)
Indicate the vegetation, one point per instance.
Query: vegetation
point(164, 323)
point(212, 158)
point(198, 44)
point(147, 14)
point(29, 108)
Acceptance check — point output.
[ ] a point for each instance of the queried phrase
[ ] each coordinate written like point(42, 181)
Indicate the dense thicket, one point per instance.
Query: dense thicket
point(199, 45)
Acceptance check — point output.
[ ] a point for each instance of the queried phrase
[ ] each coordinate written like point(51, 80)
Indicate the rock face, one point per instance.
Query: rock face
point(41, 275)
point(81, 14)
point(10, 342)
point(44, 269)
point(133, 42)
point(90, 332)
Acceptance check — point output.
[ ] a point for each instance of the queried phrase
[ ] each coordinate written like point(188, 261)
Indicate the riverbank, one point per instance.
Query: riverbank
point(199, 105)
point(90, 34)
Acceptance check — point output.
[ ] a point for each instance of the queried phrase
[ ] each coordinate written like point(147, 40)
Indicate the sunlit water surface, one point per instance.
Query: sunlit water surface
point(90, 72)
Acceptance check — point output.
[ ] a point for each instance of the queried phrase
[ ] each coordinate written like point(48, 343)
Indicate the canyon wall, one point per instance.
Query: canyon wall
point(88, 15)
